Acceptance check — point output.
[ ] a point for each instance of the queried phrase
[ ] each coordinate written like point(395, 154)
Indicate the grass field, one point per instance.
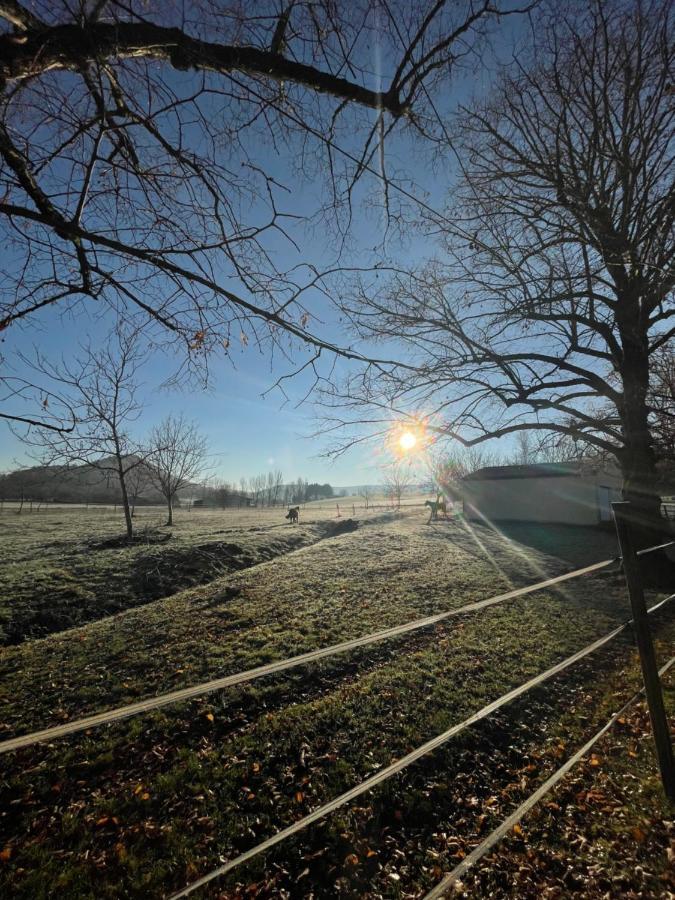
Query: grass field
point(69, 566)
point(142, 807)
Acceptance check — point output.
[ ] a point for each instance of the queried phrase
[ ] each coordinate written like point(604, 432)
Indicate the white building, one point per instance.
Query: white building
point(573, 493)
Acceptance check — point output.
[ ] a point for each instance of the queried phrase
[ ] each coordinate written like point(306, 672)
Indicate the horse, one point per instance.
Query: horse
point(439, 505)
point(293, 514)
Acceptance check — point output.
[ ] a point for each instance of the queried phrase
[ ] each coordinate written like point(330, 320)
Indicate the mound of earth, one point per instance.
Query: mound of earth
point(332, 529)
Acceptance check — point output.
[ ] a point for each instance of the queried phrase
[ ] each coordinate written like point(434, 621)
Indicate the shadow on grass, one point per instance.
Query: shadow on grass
point(574, 544)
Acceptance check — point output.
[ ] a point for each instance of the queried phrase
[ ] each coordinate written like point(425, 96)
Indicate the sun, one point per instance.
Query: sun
point(407, 440)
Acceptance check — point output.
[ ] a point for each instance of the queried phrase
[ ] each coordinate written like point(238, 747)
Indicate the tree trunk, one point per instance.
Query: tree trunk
point(123, 489)
point(638, 461)
point(640, 484)
point(127, 508)
point(169, 503)
point(637, 458)
point(127, 512)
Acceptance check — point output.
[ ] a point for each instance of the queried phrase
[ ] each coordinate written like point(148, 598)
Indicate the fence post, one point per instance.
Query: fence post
point(645, 645)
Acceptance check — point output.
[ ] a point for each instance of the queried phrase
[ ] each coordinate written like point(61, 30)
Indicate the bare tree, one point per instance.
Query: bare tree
point(177, 455)
point(223, 493)
point(132, 139)
point(269, 488)
point(277, 485)
point(22, 491)
point(397, 479)
point(138, 483)
point(447, 469)
point(556, 291)
point(526, 450)
point(243, 490)
point(300, 495)
point(365, 492)
point(258, 484)
point(443, 471)
point(100, 387)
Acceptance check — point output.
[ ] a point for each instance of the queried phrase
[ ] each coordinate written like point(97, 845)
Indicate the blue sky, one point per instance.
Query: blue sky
point(249, 431)
point(251, 427)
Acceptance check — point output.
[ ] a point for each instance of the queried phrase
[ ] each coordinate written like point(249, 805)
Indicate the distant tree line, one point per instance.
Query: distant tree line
point(88, 484)
point(266, 489)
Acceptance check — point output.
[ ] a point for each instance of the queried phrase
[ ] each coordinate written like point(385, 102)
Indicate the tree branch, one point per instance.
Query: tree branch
point(73, 47)
point(23, 420)
point(19, 16)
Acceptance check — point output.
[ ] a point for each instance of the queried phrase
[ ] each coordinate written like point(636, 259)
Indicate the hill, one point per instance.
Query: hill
point(70, 484)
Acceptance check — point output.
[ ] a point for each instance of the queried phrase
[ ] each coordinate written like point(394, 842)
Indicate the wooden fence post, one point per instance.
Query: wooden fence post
point(645, 645)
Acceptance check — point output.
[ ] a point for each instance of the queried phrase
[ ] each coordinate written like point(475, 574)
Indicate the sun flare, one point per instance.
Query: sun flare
point(407, 440)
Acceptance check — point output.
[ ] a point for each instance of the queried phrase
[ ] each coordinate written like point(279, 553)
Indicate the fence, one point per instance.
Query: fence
point(639, 620)
point(198, 690)
point(503, 829)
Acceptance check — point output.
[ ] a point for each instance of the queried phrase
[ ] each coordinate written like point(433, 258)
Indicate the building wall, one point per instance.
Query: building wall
point(567, 500)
